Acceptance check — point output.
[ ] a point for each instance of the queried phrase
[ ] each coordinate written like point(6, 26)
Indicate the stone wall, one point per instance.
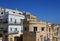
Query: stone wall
point(29, 36)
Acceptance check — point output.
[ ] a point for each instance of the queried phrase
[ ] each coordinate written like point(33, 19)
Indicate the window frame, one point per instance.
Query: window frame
point(1, 13)
point(10, 19)
point(42, 28)
point(49, 29)
point(15, 29)
point(15, 20)
point(10, 29)
point(35, 28)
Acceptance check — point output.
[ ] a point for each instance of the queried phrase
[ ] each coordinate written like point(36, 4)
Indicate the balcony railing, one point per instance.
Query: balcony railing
point(13, 32)
point(3, 21)
point(12, 23)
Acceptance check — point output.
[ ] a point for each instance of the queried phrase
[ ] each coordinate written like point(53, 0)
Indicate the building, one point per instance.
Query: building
point(3, 25)
point(56, 32)
point(33, 30)
point(49, 29)
point(12, 22)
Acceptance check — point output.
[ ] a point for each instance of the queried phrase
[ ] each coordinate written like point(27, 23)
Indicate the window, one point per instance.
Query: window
point(40, 38)
point(35, 29)
point(57, 30)
point(11, 19)
point(56, 39)
point(1, 12)
point(49, 29)
point(25, 29)
point(21, 21)
point(21, 29)
point(13, 12)
point(45, 38)
point(15, 20)
point(19, 13)
point(42, 28)
point(15, 29)
point(10, 29)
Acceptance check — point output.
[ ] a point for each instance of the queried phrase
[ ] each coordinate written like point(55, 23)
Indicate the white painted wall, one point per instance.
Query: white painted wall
point(11, 11)
point(18, 15)
point(18, 19)
point(19, 28)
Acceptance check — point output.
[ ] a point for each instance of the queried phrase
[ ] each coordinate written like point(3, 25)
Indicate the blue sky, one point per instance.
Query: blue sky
point(47, 10)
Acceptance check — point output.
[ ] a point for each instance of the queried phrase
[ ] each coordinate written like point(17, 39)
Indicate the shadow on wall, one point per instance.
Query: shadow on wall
point(18, 38)
point(21, 38)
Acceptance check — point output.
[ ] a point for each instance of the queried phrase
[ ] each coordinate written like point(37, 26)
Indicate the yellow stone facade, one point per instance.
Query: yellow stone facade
point(13, 37)
point(51, 31)
point(28, 31)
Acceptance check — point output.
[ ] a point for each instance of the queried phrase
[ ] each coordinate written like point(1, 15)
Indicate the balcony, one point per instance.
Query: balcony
point(13, 32)
point(13, 23)
point(3, 21)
